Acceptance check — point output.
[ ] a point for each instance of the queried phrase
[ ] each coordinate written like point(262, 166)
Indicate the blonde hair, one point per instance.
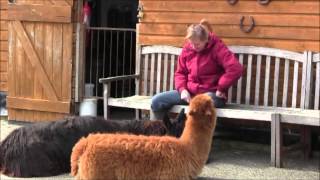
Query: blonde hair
point(199, 31)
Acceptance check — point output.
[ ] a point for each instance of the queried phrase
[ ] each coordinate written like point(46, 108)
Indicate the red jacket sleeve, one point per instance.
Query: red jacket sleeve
point(232, 68)
point(181, 74)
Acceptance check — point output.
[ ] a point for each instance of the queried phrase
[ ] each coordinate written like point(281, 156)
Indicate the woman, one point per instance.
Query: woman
point(205, 65)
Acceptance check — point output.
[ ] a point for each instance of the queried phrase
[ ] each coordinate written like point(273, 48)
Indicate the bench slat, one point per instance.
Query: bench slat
point(239, 82)
point(303, 83)
point(275, 84)
point(138, 69)
point(257, 88)
point(266, 81)
point(172, 61)
point(248, 83)
point(165, 72)
point(317, 86)
point(285, 83)
point(230, 95)
point(260, 113)
point(295, 84)
point(267, 52)
point(161, 49)
point(152, 74)
point(145, 77)
point(159, 72)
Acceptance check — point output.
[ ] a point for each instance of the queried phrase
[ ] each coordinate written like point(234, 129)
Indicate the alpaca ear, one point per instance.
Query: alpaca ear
point(167, 122)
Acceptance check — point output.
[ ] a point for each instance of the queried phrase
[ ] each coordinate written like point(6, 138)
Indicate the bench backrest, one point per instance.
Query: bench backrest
point(272, 77)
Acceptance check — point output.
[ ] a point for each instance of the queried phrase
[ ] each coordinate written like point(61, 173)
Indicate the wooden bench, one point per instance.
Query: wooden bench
point(273, 87)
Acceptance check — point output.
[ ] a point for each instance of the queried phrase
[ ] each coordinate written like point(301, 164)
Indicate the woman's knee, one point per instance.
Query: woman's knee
point(156, 102)
point(164, 100)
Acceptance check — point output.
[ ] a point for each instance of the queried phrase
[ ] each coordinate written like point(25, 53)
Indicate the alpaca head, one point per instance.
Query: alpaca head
point(202, 110)
point(175, 127)
point(154, 128)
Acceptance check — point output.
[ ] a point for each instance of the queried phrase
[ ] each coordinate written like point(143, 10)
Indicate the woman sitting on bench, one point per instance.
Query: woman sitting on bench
point(205, 65)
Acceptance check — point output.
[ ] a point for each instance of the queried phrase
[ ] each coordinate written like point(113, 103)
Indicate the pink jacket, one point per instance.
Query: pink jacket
point(213, 68)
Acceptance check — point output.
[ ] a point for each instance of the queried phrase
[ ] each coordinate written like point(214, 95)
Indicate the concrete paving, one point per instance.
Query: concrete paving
point(230, 160)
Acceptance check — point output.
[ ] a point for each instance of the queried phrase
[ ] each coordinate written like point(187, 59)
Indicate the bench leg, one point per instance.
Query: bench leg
point(137, 114)
point(305, 139)
point(276, 141)
point(106, 93)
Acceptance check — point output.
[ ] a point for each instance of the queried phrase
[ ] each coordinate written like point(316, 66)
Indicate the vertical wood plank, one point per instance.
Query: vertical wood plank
point(29, 72)
point(138, 68)
point(257, 88)
point(172, 62)
point(145, 77)
point(273, 140)
point(304, 79)
point(39, 48)
point(317, 87)
point(230, 94)
point(239, 85)
point(159, 72)
point(152, 74)
point(67, 63)
point(165, 72)
point(276, 82)
point(57, 59)
point(11, 68)
point(278, 141)
point(19, 66)
point(248, 83)
point(138, 80)
point(106, 94)
point(309, 82)
point(20, 76)
point(285, 83)
point(295, 84)
point(266, 81)
point(48, 60)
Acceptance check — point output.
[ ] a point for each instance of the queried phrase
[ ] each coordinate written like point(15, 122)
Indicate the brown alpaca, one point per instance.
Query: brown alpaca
point(121, 156)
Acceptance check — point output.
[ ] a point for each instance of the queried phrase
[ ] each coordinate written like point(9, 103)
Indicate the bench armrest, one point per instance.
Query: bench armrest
point(117, 78)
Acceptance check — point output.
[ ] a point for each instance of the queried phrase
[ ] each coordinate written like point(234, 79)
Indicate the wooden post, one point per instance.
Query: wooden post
point(273, 140)
point(305, 140)
point(276, 140)
point(106, 93)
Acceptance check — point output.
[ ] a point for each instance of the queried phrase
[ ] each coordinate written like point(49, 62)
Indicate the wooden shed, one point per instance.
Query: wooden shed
point(41, 41)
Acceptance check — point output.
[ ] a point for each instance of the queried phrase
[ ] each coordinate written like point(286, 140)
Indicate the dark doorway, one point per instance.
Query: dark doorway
point(110, 46)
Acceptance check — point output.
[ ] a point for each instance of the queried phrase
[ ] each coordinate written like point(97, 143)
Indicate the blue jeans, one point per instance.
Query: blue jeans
point(162, 102)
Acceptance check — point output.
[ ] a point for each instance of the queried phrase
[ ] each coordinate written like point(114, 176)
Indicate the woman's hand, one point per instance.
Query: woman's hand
point(220, 94)
point(185, 95)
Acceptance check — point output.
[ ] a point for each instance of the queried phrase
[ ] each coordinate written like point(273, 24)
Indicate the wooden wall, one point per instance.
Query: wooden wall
point(3, 45)
point(284, 24)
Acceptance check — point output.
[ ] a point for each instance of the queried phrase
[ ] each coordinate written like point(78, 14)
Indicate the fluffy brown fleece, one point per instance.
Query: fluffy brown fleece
point(121, 156)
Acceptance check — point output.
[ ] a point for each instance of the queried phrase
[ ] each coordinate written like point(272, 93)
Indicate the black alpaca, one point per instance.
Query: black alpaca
point(44, 149)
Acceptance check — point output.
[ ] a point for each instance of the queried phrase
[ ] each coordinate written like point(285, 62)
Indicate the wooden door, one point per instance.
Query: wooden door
point(40, 59)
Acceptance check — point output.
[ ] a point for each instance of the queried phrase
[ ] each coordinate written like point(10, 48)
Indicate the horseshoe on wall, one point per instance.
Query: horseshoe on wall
point(232, 2)
point(263, 2)
point(251, 25)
